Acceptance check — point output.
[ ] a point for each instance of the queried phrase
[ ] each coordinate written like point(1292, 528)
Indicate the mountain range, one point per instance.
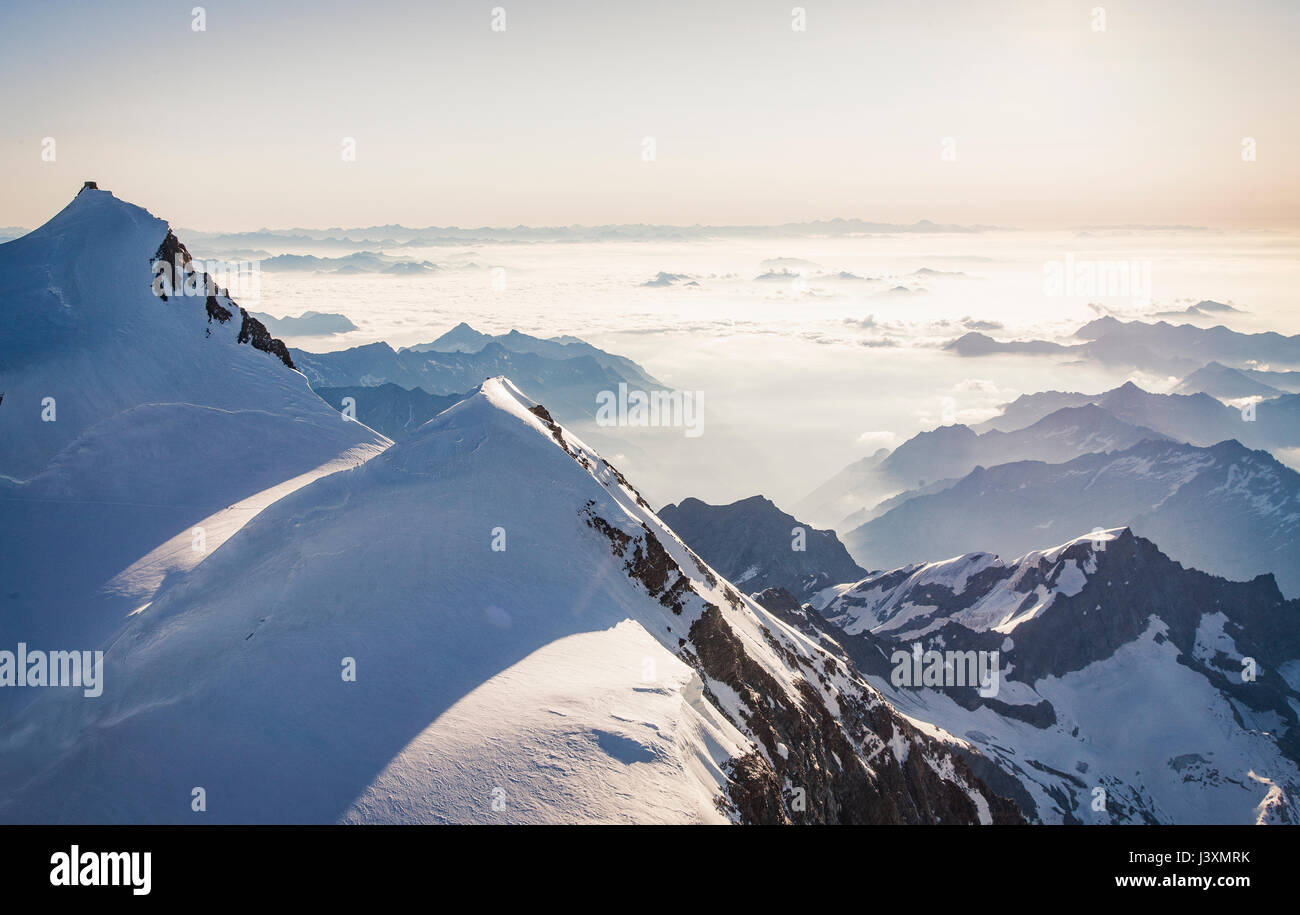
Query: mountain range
point(393, 236)
point(1224, 509)
point(568, 373)
point(1175, 349)
point(1198, 419)
point(953, 451)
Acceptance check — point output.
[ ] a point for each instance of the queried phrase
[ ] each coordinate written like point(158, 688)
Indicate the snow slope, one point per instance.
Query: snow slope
point(160, 420)
point(592, 670)
point(81, 324)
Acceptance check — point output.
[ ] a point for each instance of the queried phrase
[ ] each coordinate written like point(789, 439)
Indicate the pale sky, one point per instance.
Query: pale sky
point(1053, 123)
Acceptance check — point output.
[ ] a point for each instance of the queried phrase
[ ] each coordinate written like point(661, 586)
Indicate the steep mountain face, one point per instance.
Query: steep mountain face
point(569, 383)
point(388, 408)
point(133, 410)
point(757, 546)
point(1123, 677)
point(949, 452)
point(527, 642)
point(1225, 509)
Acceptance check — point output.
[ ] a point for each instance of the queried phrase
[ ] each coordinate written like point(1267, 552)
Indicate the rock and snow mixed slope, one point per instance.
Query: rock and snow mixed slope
point(1121, 674)
point(127, 418)
point(592, 670)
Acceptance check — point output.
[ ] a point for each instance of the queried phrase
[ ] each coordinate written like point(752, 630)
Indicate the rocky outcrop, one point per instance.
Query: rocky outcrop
point(172, 262)
point(254, 332)
point(809, 748)
point(756, 545)
point(829, 750)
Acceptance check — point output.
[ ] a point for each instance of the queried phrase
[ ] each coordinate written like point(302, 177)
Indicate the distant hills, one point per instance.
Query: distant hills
point(1225, 509)
point(568, 372)
point(1176, 349)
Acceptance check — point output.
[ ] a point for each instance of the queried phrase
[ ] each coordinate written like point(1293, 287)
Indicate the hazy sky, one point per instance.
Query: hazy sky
point(242, 125)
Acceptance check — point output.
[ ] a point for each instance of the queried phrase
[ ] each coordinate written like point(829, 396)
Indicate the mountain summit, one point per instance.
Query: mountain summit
point(90, 326)
point(138, 418)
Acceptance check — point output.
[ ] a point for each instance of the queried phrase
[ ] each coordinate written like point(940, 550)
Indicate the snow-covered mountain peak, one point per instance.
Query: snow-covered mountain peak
point(92, 211)
point(1112, 657)
point(1084, 544)
point(518, 617)
point(90, 330)
point(978, 590)
point(136, 416)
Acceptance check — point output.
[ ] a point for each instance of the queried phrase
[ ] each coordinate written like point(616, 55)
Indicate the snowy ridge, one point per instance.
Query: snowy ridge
point(128, 419)
point(977, 590)
point(592, 669)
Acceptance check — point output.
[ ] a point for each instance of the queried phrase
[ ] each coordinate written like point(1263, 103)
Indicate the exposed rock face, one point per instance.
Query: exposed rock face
point(825, 753)
point(254, 332)
point(756, 545)
point(176, 266)
point(827, 748)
